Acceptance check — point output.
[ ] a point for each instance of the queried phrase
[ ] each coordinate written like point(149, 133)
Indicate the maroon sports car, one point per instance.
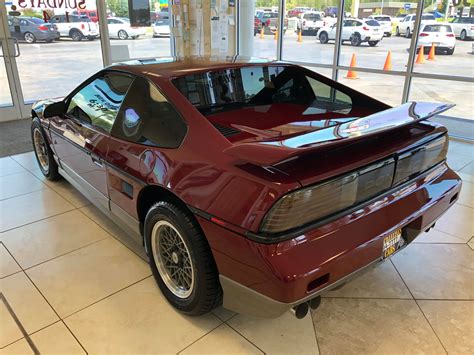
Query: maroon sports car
point(258, 185)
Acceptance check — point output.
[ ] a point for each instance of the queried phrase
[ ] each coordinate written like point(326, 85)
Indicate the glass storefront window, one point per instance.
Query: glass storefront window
point(265, 27)
point(59, 48)
point(142, 31)
point(311, 31)
point(451, 92)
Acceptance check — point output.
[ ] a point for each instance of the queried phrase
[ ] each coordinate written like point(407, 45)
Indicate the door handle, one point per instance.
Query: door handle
point(97, 161)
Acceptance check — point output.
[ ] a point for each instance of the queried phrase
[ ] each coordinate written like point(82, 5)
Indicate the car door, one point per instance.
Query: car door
point(113, 26)
point(347, 28)
point(81, 135)
point(14, 27)
point(146, 121)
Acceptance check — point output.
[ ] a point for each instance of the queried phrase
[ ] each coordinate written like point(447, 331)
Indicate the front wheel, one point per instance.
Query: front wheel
point(397, 32)
point(408, 33)
point(181, 260)
point(373, 43)
point(450, 51)
point(43, 152)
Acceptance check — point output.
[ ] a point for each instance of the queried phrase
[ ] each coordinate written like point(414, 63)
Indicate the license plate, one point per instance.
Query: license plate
point(392, 243)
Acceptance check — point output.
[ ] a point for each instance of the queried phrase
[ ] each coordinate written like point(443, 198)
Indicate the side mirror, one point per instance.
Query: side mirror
point(54, 109)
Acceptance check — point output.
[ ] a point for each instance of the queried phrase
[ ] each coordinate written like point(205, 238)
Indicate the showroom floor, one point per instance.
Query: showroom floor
point(68, 286)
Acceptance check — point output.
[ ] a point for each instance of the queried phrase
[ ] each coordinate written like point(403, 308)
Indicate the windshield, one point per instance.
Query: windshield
point(427, 17)
point(162, 22)
point(372, 23)
point(233, 89)
point(382, 18)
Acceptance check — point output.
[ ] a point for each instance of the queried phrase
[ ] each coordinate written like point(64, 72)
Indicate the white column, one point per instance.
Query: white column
point(246, 23)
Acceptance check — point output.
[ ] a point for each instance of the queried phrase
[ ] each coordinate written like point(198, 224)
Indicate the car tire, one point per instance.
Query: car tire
point(197, 290)
point(450, 51)
point(397, 32)
point(373, 43)
point(356, 40)
point(135, 37)
point(29, 37)
point(407, 33)
point(323, 37)
point(44, 154)
point(122, 34)
point(76, 35)
point(463, 35)
point(389, 35)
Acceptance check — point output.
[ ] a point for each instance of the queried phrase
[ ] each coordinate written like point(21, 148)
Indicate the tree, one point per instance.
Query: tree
point(118, 7)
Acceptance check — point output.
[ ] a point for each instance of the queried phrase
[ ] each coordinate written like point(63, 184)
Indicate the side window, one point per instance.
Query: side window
point(146, 117)
point(326, 94)
point(98, 102)
point(23, 23)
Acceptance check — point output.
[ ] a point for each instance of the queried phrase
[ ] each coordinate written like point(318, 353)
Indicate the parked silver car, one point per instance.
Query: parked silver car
point(31, 29)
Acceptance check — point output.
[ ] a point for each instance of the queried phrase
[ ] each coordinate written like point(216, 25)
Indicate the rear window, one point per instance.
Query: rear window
point(372, 23)
point(162, 22)
point(427, 17)
point(234, 89)
point(312, 17)
point(383, 18)
point(437, 28)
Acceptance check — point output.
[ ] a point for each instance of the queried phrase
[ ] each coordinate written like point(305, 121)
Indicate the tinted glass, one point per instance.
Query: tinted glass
point(146, 117)
point(372, 23)
point(427, 17)
point(234, 89)
point(437, 28)
point(312, 17)
point(99, 101)
point(36, 20)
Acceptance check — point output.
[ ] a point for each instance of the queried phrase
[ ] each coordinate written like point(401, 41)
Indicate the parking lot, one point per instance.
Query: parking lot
point(53, 69)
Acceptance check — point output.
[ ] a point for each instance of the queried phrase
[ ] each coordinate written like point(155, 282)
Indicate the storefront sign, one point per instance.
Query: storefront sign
point(52, 4)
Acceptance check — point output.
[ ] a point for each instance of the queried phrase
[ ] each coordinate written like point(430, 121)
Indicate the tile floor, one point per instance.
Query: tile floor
point(74, 288)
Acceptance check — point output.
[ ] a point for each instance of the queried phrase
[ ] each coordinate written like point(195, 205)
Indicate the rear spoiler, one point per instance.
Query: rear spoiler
point(272, 151)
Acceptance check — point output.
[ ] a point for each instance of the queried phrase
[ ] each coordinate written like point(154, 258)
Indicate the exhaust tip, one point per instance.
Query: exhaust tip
point(315, 302)
point(300, 311)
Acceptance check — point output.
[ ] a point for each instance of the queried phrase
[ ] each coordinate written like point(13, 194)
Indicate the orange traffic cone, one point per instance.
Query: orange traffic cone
point(300, 37)
point(388, 61)
point(262, 32)
point(420, 59)
point(431, 55)
point(351, 74)
point(275, 35)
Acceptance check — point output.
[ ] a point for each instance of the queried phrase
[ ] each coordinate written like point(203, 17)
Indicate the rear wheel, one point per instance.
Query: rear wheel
point(76, 35)
point(181, 260)
point(450, 51)
point(356, 40)
point(29, 37)
point(122, 34)
point(43, 152)
point(397, 32)
point(373, 43)
point(463, 35)
point(407, 33)
point(323, 37)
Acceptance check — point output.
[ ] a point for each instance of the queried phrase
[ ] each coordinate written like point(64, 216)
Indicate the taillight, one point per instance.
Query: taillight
point(422, 34)
point(42, 28)
point(365, 28)
point(449, 35)
point(83, 26)
point(472, 28)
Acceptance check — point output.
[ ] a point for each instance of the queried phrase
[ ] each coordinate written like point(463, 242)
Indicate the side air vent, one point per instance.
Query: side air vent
point(226, 131)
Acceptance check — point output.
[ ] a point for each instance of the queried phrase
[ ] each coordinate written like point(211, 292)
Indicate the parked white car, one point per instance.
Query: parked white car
point(440, 34)
point(310, 22)
point(355, 31)
point(406, 26)
point(76, 27)
point(119, 27)
point(463, 27)
point(161, 28)
point(385, 21)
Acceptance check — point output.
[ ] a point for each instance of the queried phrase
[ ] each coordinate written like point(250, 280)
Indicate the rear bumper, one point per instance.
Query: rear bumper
point(265, 280)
